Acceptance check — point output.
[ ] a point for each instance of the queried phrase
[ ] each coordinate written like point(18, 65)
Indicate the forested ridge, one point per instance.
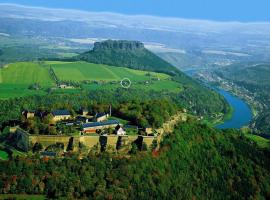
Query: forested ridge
point(194, 162)
point(130, 104)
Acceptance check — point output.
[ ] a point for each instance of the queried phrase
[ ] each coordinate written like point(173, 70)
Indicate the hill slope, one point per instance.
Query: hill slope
point(131, 54)
point(195, 97)
point(195, 162)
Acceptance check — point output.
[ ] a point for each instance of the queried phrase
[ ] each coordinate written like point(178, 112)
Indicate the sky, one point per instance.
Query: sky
point(217, 10)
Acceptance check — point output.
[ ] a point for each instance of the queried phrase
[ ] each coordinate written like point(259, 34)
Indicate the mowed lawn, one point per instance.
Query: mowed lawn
point(81, 71)
point(25, 73)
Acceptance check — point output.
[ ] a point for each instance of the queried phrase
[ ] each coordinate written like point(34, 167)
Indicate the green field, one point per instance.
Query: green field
point(80, 71)
point(26, 73)
point(16, 78)
point(157, 86)
point(17, 90)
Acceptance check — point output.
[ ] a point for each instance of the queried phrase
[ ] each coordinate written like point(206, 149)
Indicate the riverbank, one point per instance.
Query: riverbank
point(242, 115)
point(227, 116)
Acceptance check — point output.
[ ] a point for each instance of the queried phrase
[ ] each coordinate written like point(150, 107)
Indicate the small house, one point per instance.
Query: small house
point(119, 130)
point(59, 115)
point(64, 86)
point(101, 117)
point(28, 113)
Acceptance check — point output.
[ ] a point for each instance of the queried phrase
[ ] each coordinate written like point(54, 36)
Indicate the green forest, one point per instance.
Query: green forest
point(130, 101)
point(195, 162)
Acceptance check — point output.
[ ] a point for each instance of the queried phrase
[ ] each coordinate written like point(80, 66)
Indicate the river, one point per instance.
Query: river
point(242, 114)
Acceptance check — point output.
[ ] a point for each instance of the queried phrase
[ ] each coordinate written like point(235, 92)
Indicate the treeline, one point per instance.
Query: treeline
point(195, 162)
point(148, 110)
point(149, 113)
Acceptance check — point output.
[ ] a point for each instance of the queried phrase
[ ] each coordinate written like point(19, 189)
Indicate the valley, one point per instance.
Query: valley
point(104, 105)
point(249, 82)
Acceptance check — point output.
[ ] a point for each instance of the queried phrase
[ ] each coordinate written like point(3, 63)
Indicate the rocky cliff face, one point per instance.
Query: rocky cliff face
point(118, 44)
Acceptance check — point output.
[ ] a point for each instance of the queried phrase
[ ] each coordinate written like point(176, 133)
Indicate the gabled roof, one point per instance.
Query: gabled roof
point(60, 112)
point(95, 124)
point(100, 114)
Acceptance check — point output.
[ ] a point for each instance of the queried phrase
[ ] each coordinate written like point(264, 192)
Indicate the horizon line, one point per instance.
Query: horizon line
point(136, 15)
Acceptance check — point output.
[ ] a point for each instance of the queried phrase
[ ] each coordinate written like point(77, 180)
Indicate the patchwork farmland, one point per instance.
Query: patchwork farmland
point(16, 78)
point(80, 71)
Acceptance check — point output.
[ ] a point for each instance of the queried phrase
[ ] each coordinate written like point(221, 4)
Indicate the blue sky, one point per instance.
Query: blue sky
point(220, 10)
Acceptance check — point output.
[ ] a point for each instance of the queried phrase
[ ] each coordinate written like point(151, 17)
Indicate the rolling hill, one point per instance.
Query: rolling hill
point(108, 63)
point(81, 71)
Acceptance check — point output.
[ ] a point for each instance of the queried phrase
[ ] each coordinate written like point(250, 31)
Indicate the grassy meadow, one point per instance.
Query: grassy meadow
point(80, 71)
point(26, 73)
point(16, 78)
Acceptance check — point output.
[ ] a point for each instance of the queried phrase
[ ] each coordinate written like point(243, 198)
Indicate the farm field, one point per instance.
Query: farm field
point(17, 90)
point(80, 71)
point(16, 78)
point(25, 73)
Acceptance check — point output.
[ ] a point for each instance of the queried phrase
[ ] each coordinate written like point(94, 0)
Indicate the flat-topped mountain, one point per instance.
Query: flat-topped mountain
point(131, 54)
point(121, 45)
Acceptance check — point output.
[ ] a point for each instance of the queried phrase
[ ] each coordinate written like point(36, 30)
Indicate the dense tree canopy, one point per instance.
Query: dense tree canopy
point(151, 108)
point(194, 162)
